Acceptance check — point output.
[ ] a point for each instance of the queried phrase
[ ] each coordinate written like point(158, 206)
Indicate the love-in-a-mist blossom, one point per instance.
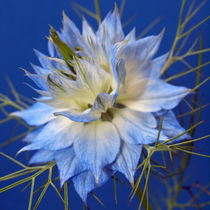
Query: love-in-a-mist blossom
point(101, 100)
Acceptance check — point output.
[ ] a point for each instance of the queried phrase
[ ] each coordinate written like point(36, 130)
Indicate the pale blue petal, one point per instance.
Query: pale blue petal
point(96, 145)
point(131, 37)
point(43, 59)
point(60, 65)
point(112, 55)
point(111, 28)
point(33, 134)
point(154, 67)
point(127, 160)
point(85, 182)
point(56, 85)
point(138, 52)
point(41, 71)
point(136, 127)
point(68, 164)
point(55, 135)
point(38, 80)
point(93, 77)
point(171, 126)
point(158, 95)
point(122, 71)
point(53, 50)
point(70, 33)
point(42, 156)
point(87, 32)
point(37, 114)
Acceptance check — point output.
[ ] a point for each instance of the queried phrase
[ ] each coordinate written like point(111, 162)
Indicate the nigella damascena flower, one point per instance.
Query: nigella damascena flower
point(101, 100)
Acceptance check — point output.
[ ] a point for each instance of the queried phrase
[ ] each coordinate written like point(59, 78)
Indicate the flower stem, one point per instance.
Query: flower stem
point(145, 202)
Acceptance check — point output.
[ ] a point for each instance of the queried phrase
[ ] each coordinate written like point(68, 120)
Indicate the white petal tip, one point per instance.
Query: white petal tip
point(21, 150)
point(62, 183)
point(132, 183)
point(14, 114)
point(97, 180)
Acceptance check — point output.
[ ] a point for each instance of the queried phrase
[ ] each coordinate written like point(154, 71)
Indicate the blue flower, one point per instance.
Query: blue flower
point(101, 100)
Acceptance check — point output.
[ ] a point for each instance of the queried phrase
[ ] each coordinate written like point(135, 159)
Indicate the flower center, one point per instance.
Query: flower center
point(107, 116)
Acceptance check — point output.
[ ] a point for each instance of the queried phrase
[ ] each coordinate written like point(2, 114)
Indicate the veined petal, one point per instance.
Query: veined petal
point(131, 37)
point(93, 77)
point(171, 126)
point(96, 145)
point(40, 81)
point(158, 95)
point(132, 90)
point(127, 160)
point(122, 72)
point(68, 164)
point(138, 52)
point(41, 71)
point(43, 59)
point(112, 55)
point(49, 63)
point(153, 68)
point(54, 136)
point(33, 134)
point(37, 114)
point(111, 28)
point(70, 33)
point(53, 51)
point(85, 182)
point(136, 127)
point(55, 85)
point(87, 32)
point(42, 156)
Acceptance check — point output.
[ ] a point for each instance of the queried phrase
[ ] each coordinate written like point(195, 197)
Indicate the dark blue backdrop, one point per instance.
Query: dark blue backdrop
point(24, 25)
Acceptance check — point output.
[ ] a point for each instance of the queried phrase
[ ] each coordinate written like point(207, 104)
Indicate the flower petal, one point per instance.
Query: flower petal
point(110, 29)
point(136, 127)
point(43, 59)
point(122, 72)
point(42, 156)
point(38, 80)
point(158, 95)
point(87, 32)
point(131, 37)
point(92, 77)
point(70, 33)
point(41, 71)
point(171, 126)
point(153, 68)
point(54, 136)
point(33, 134)
point(127, 160)
point(68, 164)
point(52, 49)
point(37, 114)
point(85, 182)
point(136, 53)
point(96, 145)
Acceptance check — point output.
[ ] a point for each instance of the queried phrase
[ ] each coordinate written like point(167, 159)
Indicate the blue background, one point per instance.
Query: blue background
point(24, 25)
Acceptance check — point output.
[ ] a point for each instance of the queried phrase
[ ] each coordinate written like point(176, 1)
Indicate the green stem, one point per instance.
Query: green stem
point(145, 199)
